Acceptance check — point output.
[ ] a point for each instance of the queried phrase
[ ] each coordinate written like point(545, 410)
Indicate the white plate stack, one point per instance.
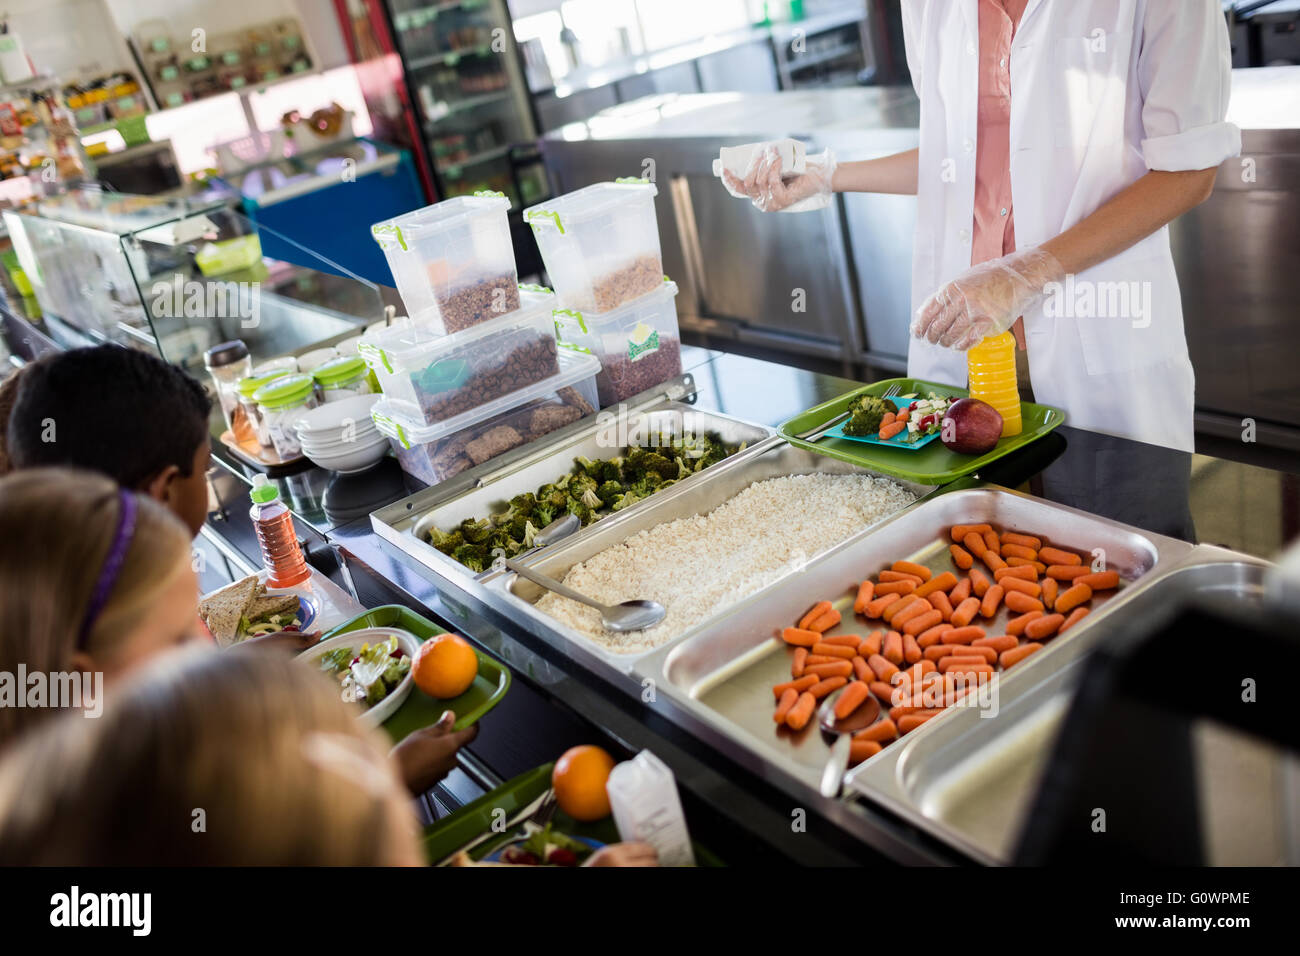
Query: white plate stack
point(341, 436)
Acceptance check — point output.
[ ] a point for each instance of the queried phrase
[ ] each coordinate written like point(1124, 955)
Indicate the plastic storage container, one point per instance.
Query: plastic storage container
point(453, 262)
point(600, 244)
point(342, 378)
point(280, 402)
point(434, 453)
point(638, 345)
point(428, 378)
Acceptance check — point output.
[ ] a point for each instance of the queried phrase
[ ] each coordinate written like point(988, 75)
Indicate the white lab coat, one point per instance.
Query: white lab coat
point(1101, 92)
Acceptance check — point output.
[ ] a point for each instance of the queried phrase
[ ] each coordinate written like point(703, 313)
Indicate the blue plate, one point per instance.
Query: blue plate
point(306, 614)
point(495, 855)
point(895, 442)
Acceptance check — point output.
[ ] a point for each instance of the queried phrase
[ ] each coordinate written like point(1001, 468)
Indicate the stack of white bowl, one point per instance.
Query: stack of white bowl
point(341, 436)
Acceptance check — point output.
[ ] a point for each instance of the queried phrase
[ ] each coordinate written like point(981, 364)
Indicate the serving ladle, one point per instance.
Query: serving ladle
point(628, 616)
point(842, 730)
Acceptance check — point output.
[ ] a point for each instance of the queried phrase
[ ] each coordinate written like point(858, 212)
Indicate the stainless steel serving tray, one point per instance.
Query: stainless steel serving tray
point(721, 675)
point(969, 780)
point(768, 459)
point(489, 488)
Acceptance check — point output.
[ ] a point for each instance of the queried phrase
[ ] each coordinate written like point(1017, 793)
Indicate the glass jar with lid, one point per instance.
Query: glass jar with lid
point(343, 378)
point(280, 402)
point(248, 408)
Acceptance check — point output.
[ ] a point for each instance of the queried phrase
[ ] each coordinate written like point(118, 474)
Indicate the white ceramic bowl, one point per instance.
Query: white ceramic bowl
point(377, 714)
point(329, 421)
point(355, 459)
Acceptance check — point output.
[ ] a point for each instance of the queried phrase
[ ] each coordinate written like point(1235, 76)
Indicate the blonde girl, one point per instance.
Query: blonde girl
point(93, 579)
point(208, 759)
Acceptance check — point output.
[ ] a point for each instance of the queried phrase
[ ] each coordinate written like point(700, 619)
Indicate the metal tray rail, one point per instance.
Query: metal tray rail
point(721, 674)
point(969, 781)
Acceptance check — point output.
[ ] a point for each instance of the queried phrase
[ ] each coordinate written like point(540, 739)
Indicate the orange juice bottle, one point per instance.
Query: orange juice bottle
point(992, 369)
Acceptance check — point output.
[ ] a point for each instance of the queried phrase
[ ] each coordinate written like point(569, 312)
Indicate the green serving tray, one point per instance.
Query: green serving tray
point(934, 464)
point(446, 836)
point(419, 709)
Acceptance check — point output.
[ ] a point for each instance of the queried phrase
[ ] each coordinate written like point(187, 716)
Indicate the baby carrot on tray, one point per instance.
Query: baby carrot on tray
point(921, 616)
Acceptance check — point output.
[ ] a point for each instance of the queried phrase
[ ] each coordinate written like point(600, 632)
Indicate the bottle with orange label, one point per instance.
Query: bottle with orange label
point(992, 369)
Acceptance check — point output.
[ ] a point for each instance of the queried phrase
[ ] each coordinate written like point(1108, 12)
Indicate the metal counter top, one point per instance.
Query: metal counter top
point(557, 702)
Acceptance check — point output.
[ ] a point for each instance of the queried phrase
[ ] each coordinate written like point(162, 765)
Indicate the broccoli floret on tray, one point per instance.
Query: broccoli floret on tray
point(868, 412)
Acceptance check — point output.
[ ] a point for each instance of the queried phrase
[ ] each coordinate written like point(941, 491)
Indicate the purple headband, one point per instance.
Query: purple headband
point(113, 562)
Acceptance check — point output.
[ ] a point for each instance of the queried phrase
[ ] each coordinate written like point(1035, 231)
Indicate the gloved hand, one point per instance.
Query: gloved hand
point(986, 299)
point(768, 191)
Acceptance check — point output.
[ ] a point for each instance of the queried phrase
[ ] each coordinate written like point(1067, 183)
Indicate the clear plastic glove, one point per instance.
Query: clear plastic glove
point(764, 186)
point(986, 299)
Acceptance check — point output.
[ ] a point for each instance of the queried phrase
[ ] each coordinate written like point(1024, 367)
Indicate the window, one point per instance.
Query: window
point(670, 22)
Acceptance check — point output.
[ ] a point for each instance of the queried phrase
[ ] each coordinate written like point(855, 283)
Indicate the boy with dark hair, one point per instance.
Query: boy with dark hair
point(121, 412)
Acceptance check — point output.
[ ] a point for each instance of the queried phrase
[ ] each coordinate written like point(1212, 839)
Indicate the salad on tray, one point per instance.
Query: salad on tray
point(370, 675)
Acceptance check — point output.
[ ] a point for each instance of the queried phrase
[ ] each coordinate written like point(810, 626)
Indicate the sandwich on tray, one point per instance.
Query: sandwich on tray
point(245, 609)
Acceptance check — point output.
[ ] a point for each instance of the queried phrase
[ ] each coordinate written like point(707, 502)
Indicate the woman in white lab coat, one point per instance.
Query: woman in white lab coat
point(1114, 127)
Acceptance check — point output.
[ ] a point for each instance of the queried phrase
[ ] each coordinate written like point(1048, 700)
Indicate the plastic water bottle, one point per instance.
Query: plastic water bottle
point(992, 369)
point(281, 553)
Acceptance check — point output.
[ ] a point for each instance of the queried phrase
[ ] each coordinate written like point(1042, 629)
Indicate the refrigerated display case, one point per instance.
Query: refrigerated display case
point(467, 98)
point(178, 276)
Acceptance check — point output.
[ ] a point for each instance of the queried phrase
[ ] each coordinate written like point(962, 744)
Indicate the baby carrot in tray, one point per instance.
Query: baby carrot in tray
point(889, 431)
point(1072, 597)
point(799, 662)
point(800, 685)
point(1075, 616)
point(851, 699)
point(861, 671)
point(783, 706)
point(1025, 572)
point(876, 606)
point(824, 687)
point(814, 612)
point(860, 750)
point(884, 729)
point(911, 567)
point(1058, 556)
point(937, 584)
point(921, 622)
point(1099, 580)
point(800, 637)
point(893, 648)
point(1018, 654)
point(933, 636)
point(1021, 540)
point(801, 712)
point(871, 643)
point(939, 601)
point(834, 650)
point(846, 640)
point(837, 669)
point(866, 591)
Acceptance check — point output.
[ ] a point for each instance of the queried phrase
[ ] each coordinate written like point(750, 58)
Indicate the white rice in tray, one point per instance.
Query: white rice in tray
point(701, 565)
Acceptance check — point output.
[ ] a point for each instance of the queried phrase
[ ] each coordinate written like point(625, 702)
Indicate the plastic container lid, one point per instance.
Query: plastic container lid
point(436, 218)
point(340, 371)
point(227, 353)
point(247, 386)
point(263, 491)
point(285, 392)
point(574, 367)
point(586, 203)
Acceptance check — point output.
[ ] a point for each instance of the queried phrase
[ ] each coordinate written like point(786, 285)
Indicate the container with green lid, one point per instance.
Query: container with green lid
point(280, 401)
point(248, 408)
point(343, 378)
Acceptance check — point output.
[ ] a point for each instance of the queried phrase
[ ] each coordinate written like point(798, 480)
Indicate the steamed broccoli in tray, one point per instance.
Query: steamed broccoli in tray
point(868, 412)
point(591, 490)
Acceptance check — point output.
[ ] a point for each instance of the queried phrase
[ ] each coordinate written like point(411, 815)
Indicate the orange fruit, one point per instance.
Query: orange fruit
point(579, 780)
point(444, 666)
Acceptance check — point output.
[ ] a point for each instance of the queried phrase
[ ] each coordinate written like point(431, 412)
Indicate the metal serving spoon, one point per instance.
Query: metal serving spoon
point(628, 616)
point(842, 730)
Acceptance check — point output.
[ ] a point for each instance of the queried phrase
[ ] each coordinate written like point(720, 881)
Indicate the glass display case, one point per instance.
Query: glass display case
point(177, 276)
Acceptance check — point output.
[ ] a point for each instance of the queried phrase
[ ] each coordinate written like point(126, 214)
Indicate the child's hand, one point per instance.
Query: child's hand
point(291, 642)
point(427, 755)
point(624, 854)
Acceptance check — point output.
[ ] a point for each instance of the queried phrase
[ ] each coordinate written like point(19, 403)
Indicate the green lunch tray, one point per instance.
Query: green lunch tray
point(446, 836)
point(934, 464)
point(419, 709)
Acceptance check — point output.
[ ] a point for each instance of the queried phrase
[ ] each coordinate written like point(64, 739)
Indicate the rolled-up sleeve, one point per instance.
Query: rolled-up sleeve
point(1185, 72)
point(913, 13)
